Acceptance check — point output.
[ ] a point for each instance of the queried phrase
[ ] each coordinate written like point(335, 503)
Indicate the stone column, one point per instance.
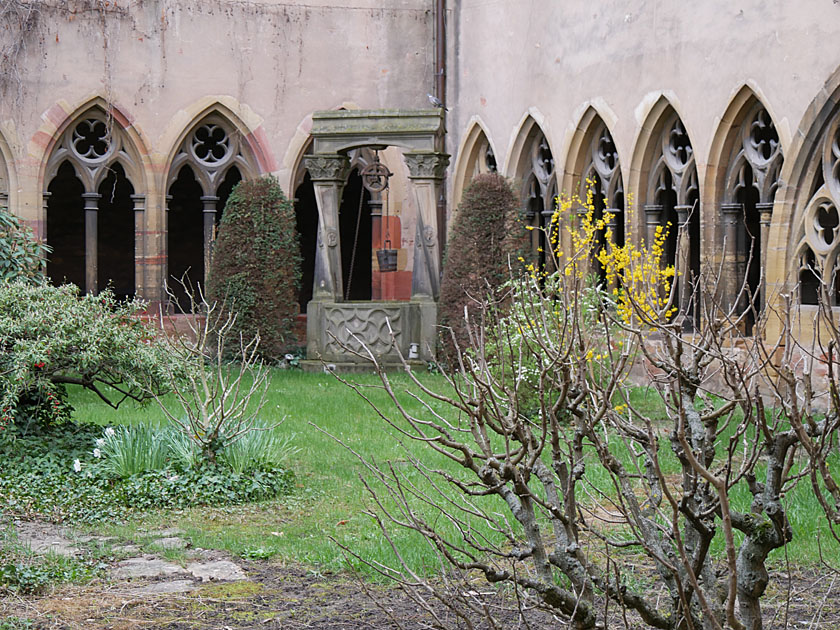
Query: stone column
point(653, 219)
point(210, 202)
point(328, 173)
point(163, 245)
point(683, 265)
point(425, 170)
point(765, 213)
point(139, 245)
point(42, 234)
point(731, 212)
point(91, 253)
point(45, 204)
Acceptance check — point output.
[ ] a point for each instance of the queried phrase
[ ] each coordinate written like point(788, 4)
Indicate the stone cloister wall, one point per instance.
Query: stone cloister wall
point(568, 67)
point(532, 87)
point(154, 69)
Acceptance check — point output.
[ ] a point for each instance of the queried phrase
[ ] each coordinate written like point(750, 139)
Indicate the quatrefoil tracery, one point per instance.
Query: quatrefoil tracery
point(91, 140)
point(210, 144)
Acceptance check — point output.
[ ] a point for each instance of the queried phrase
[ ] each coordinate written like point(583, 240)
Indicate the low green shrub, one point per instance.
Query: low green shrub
point(21, 252)
point(51, 337)
point(56, 474)
point(127, 451)
point(261, 448)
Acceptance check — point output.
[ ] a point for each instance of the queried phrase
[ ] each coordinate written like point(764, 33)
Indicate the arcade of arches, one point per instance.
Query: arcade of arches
point(97, 223)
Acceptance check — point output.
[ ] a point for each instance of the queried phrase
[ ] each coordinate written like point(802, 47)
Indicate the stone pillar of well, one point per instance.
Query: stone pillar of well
point(683, 266)
point(426, 170)
point(209, 209)
point(328, 173)
point(765, 214)
point(731, 281)
point(139, 244)
point(653, 219)
point(91, 231)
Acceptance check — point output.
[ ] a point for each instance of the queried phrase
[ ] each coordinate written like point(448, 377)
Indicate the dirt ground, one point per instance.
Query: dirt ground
point(276, 596)
point(296, 598)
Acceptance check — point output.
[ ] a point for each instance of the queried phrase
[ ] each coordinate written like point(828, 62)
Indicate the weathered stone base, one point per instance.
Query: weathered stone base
point(337, 330)
point(355, 367)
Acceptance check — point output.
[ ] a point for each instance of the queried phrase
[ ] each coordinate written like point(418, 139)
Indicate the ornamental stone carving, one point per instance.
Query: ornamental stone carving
point(426, 165)
point(818, 225)
point(429, 235)
point(93, 144)
point(674, 168)
point(352, 326)
point(211, 149)
point(332, 237)
point(328, 168)
point(602, 171)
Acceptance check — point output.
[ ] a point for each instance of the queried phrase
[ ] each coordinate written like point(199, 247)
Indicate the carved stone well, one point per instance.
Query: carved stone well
point(333, 324)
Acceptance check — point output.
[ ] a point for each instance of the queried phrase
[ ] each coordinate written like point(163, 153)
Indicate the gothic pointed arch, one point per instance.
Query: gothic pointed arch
point(664, 173)
point(5, 174)
point(475, 156)
point(593, 165)
point(802, 252)
point(95, 182)
point(532, 166)
point(212, 154)
point(745, 164)
point(91, 137)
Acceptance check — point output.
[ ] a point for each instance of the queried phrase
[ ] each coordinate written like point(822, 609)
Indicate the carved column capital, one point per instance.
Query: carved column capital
point(765, 212)
point(209, 202)
point(653, 213)
point(683, 213)
point(139, 202)
point(426, 165)
point(327, 167)
point(91, 201)
point(731, 212)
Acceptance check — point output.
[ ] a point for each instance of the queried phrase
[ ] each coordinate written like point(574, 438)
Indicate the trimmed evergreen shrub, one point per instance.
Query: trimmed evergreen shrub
point(488, 234)
point(256, 264)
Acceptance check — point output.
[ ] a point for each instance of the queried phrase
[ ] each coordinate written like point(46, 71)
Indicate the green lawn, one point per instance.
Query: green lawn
point(329, 501)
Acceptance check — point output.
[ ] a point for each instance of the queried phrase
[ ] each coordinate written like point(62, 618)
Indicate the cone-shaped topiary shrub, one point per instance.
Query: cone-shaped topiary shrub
point(488, 234)
point(256, 264)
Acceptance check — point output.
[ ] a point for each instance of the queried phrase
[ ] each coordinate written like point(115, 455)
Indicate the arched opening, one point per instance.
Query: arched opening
point(306, 223)
point(356, 234)
point(185, 234)
point(115, 234)
point(66, 228)
point(672, 205)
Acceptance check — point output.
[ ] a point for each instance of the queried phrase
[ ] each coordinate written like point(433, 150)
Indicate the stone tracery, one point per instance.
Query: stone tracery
point(818, 226)
point(104, 215)
point(211, 159)
point(750, 188)
point(673, 196)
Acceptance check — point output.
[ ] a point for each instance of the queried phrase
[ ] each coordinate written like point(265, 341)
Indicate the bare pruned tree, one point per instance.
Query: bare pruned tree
point(583, 502)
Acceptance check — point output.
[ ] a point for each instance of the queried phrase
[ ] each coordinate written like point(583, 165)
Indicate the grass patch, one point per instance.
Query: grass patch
point(327, 498)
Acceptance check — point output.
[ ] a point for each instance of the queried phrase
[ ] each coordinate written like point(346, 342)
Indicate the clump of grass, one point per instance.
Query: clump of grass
point(131, 450)
point(264, 447)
